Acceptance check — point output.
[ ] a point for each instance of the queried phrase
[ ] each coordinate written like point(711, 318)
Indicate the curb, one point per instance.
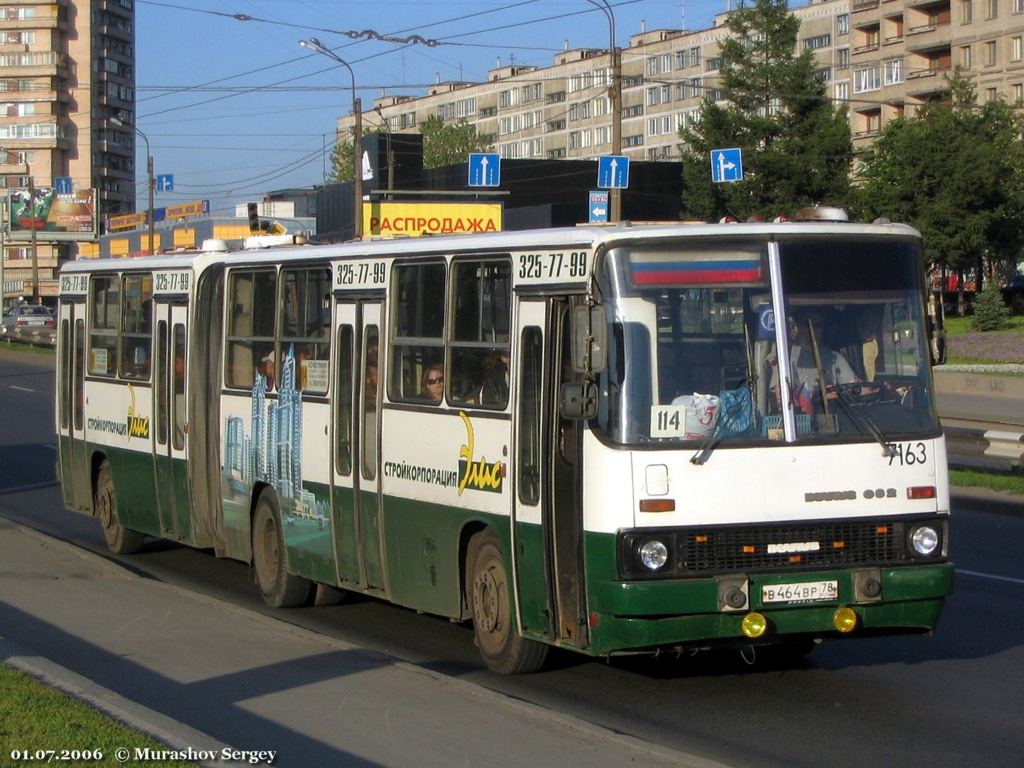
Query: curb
point(174, 734)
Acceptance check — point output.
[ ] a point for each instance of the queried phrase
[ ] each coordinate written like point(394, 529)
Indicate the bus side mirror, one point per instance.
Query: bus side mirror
point(589, 339)
point(578, 400)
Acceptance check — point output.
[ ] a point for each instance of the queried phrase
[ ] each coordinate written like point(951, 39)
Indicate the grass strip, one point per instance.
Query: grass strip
point(996, 481)
point(36, 718)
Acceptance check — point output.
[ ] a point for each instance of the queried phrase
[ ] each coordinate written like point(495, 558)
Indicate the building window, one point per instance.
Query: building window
point(1018, 92)
point(990, 53)
point(893, 71)
point(842, 91)
point(842, 58)
point(867, 79)
point(1016, 48)
point(1018, 6)
point(965, 56)
point(843, 24)
point(818, 41)
point(990, 94)
point(993, 9)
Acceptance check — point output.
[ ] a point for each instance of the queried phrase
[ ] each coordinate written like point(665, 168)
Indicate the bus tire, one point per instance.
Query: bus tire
point(504, 650)
point(280, 589)
point(120, 540)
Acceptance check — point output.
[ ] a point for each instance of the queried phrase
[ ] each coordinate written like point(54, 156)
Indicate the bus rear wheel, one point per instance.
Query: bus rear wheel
point(280, 589)
point(502, 647)
point(120, 540)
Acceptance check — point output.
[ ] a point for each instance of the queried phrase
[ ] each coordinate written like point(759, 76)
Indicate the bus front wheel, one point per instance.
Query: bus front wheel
point(501, 645)
point(120, 540)
point(280, 589)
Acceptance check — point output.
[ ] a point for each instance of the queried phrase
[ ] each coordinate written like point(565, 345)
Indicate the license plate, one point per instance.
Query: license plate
point(803, 592)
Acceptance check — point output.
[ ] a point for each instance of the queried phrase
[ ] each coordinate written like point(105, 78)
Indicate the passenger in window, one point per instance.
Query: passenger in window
point(432, 384)
point(804, 377)
point(370, 390)
point(494, 390)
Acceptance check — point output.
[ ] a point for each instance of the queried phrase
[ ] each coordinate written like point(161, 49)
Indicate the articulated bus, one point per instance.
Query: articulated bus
point(612, 440)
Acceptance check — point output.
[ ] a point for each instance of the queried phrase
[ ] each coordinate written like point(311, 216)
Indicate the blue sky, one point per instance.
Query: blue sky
point(235, 108)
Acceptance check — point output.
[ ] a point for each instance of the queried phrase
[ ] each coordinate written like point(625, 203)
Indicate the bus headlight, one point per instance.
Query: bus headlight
point(653, 554)
point(925, 539)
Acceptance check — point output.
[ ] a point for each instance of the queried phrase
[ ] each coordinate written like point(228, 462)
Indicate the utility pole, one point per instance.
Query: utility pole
point(615, 97)
point(35, 251)
point(357, 134)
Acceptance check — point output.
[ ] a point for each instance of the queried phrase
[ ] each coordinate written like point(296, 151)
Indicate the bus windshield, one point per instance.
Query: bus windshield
point(693, 345)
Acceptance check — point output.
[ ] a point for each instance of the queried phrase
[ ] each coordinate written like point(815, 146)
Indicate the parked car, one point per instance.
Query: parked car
point(25, 317)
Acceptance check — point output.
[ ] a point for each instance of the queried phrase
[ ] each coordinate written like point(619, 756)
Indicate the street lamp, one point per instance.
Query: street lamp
point(615, 96)
point(357, 133)
point(150, 184)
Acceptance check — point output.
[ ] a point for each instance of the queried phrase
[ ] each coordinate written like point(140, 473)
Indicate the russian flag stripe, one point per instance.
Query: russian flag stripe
point(697, 272)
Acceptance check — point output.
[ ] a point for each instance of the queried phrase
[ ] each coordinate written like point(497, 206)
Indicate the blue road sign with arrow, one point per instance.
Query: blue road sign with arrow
point(726, 165)
point(165, 182)
point(598, 207)
point(484, 169)
point(613, 172)
point(62, 185)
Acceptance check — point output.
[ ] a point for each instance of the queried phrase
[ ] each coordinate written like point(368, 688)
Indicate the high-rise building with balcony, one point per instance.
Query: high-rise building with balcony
point(66, 68)
point(880, 58)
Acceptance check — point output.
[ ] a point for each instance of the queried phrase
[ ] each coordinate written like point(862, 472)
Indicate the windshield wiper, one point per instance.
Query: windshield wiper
point(863, 421)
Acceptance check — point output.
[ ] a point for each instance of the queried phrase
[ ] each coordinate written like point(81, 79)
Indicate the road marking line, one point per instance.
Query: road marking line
point(992, 576)
point(23, 389)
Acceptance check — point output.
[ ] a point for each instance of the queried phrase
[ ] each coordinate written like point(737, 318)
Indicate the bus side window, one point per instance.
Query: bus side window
point(251, 301)
point(479, 342)
point(343, 404)
point(136, 329)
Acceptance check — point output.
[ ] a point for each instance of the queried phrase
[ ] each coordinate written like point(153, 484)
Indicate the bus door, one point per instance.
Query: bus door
point(548, 521)
point(355, 475)
point(170, 423)
point(74, 454)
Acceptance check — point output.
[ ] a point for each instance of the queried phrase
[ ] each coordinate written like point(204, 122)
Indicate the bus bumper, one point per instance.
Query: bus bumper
point(637, 616)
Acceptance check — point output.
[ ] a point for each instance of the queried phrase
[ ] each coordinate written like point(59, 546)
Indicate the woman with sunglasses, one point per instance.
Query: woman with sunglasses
point(432, 385)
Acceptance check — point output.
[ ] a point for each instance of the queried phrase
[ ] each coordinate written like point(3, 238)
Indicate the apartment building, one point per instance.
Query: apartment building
point(66, 68)
point(879, 57)
point(901, 50)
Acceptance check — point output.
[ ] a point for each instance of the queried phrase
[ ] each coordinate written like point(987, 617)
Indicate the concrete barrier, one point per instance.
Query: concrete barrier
point(995, 442)
point(41, 337)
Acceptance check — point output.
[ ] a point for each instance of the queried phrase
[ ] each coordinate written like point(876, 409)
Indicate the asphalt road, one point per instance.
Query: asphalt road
point(948, 700)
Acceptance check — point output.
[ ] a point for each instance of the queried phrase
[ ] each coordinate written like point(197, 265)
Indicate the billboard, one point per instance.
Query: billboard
point(52, 216)
point(396, 219)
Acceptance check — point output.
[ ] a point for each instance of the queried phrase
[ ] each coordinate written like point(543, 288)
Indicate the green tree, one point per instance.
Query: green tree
point(796, 143)
point(449, 143)
point(953, 171)
point(990, 311)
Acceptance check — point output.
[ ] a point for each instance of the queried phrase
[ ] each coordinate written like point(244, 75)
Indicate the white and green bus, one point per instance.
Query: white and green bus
point(648, 437)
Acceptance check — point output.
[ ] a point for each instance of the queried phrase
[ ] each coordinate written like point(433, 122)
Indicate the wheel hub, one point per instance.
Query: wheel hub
point(485, 601)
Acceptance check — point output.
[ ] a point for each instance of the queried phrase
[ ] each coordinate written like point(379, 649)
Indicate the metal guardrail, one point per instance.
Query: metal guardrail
point(41, 337)
point(985, 447)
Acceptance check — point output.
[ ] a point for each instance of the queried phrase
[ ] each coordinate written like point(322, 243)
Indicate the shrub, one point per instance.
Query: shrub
point(990, 312)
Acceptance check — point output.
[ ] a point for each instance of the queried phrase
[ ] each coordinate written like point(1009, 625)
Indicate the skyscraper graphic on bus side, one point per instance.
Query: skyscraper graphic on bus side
point(272, 451)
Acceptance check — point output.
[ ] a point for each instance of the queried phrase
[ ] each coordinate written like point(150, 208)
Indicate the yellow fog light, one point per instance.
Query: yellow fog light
point(754, 625)
point(844, 619)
